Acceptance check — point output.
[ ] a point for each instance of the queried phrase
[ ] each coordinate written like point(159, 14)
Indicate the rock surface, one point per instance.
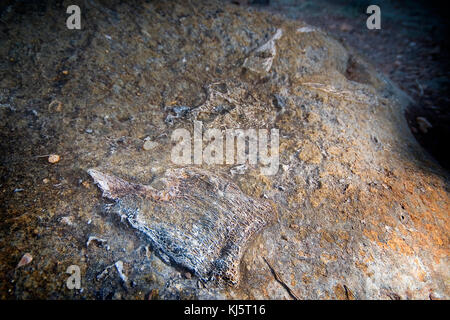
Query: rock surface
point(362, 209)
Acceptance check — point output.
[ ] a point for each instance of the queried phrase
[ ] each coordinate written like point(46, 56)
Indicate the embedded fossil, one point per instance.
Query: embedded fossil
point(199, 221)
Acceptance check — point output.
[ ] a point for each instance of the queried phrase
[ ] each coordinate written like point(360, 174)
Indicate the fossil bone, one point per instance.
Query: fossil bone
point(201, 221)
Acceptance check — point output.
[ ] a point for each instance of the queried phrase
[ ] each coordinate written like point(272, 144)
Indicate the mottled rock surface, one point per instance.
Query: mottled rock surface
point(362, 209)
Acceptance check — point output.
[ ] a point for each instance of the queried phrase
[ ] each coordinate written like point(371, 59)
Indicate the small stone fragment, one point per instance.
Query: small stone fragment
point(178, 112)
point(26, 259)
point(181, 111)
point(119, 267)
point(67, 220)
point(306, 29)
point(54, 158)
point(96, 239)
point(149, 145)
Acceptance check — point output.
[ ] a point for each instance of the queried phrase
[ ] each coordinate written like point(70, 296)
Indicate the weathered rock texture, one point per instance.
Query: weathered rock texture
point(362, 210)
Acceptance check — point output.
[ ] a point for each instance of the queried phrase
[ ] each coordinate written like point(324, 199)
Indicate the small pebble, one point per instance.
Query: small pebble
point(26, 259)
point(101, 242)
point(54, 158)
point(149, 145)
point(119, 268)
point(67, 220)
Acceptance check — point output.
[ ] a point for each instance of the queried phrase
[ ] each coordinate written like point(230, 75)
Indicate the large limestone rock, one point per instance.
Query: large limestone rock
point(362, 211)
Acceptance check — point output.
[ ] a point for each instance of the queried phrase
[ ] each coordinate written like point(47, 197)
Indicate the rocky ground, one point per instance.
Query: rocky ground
point(360, 209)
